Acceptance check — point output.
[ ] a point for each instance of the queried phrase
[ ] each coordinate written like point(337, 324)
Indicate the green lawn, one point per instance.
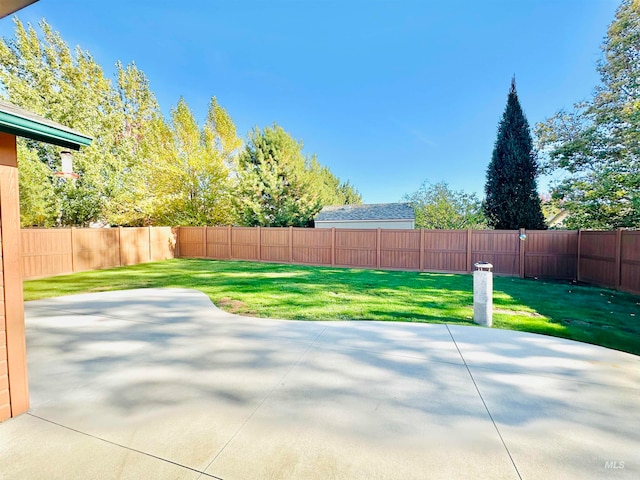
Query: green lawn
point(588, 314)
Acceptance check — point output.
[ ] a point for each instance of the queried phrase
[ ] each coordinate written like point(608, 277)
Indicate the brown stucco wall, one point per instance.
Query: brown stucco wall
point(5, 407)
point(14, 392)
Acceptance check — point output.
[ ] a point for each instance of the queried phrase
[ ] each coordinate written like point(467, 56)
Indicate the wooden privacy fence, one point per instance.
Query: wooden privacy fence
point(609, 259)
point(47, 252)
point(544, 254)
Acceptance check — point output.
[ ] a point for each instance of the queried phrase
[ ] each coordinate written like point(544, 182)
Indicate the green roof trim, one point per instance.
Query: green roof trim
point(19, 122)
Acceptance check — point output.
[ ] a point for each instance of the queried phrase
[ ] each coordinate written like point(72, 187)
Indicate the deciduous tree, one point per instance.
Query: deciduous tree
point(192, 183)
point(141, 168)
point(596, 146)
point(438, 207)
point(43, 75)
point(37, 196)
point(130, 202)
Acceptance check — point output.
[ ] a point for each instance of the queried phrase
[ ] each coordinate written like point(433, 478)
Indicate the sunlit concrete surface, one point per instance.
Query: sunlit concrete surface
point(161, 384)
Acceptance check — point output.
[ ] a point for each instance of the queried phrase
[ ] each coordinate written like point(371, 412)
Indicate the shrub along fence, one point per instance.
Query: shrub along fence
point(610, 259)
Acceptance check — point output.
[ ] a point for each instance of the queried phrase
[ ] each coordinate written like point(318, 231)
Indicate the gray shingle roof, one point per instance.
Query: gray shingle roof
point(380, 211)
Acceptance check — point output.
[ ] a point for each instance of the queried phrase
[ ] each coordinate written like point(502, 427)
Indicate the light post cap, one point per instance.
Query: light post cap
point(483, 266)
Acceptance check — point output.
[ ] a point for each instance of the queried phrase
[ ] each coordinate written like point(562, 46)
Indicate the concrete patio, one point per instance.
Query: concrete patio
point(161, 384)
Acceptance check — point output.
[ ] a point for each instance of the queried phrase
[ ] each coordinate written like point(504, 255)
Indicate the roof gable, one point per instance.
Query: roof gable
point(379, 211)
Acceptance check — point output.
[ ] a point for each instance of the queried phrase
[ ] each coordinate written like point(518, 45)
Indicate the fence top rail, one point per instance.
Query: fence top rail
point(55, 229)
point(442, 230)
point(553, 232)
point(434, 230)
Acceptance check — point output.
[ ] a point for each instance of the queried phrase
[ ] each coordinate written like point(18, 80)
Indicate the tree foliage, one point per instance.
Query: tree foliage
point(512, 200)
point(329, 189)
point(129, 202)
point(192, 183)
point(142, 168)
point(37, 197)
point(438, 207)
point(347, 194)
point(279, 186)
point(596, 146)
point(46, 77)
point(275, 184)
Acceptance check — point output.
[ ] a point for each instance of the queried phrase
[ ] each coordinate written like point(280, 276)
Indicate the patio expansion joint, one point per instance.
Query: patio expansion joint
point(201, 472)
point(484, 403)
point(554, 376)
point(267, 396)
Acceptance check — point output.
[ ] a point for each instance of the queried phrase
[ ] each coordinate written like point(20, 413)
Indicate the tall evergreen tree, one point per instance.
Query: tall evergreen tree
point(512, 199)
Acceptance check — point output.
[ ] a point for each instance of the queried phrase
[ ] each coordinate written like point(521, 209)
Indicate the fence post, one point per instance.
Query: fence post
point(259, 244)
point(176, 248)
point(469, 235)
point(120, 246)
point(578, 254)
point(290, 244)
point(522, 250)
point(378, 235)
point(421, 255)
point(333, 246)
point(73, 250)
point(150, 251)
point(618, 257)
point(229, 240)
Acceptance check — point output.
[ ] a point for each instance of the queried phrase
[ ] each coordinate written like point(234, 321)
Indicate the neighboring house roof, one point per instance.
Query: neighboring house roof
point(380, 211)
point(558, 219)
point(17, 121)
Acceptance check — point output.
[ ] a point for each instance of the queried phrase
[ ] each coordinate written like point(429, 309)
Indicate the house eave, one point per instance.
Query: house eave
point(23, 124)
point(7, 7)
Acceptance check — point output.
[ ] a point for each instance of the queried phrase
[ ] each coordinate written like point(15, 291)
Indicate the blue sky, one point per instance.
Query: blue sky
point(386, 93)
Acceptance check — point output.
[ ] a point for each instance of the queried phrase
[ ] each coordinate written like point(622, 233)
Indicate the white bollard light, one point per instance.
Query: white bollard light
point(483, 294)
